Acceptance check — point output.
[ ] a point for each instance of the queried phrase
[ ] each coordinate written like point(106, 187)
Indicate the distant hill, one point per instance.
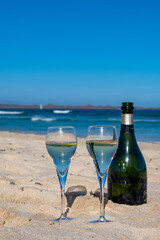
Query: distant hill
point(53, 106)
point(2, 106)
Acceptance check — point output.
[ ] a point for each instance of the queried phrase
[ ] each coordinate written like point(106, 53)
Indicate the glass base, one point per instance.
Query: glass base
point(62, 218)
point(101, 220)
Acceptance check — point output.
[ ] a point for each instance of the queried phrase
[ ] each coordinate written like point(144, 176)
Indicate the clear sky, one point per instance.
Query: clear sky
point(80, 52)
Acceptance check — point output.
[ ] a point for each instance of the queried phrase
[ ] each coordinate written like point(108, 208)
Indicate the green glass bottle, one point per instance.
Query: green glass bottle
point(127, 175)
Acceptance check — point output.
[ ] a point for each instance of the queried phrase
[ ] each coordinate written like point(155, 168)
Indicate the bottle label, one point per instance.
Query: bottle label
point(127, 119)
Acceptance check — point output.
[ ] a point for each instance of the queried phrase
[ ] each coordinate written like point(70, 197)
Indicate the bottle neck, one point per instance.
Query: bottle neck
point(127, 123)
point(127, 118)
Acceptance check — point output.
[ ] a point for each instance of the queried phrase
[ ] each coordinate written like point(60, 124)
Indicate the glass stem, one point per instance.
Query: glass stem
point(102, 212)
point(62, 181)
point(102, 209)
point(63, 202)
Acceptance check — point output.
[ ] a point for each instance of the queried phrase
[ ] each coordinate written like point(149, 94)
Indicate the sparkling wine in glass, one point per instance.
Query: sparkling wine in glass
point(61, 143)
point(102, 143)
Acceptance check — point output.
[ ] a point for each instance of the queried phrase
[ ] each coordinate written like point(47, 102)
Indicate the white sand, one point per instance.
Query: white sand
point(30, 195)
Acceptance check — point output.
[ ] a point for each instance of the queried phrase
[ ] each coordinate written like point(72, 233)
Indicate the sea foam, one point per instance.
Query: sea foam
point(34, 119)
point(10, 112)
point(62, 111)
point(146, 120)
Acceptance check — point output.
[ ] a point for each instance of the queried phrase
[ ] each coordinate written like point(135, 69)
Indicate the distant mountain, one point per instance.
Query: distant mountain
point(53, 106)
point(2, 106)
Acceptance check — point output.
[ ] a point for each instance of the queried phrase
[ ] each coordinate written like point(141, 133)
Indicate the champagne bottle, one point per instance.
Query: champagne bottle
point(127, 175)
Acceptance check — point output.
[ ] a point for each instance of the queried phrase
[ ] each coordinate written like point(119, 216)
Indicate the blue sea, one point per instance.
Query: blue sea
point(147, 122)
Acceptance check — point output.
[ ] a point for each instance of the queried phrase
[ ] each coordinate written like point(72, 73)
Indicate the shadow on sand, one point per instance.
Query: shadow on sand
point(97, 194)
point(72, 193)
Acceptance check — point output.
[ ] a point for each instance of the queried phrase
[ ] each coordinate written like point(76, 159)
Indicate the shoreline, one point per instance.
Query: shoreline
point(78, 137)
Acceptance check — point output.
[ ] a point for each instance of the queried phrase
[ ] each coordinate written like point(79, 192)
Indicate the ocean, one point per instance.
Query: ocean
point(147, 122)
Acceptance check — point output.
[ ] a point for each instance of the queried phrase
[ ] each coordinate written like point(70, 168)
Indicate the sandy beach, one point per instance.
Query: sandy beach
point(30, 195)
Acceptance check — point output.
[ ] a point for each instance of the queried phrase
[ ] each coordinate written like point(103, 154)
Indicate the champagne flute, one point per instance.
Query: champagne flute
point(102, 143)
point(61, 143)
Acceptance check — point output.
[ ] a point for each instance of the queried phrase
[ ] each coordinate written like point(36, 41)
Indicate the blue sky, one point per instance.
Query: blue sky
point(80, 52)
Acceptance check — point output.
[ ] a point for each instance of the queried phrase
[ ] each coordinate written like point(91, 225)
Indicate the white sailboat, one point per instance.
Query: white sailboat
point(41, 106)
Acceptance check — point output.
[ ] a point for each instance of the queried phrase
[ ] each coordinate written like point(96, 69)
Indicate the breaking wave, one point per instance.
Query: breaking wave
point(62, 111)
point(146, 120)
point(34, 119)
point(10, 112)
